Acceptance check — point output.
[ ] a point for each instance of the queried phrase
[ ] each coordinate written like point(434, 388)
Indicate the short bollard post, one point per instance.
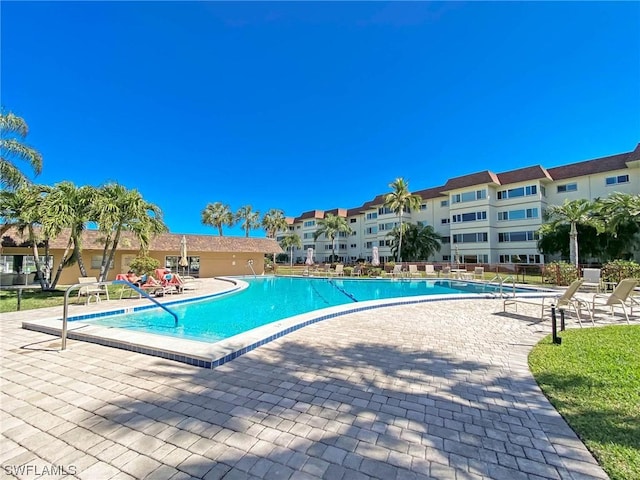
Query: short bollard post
point(554, 333)
point(562, 319)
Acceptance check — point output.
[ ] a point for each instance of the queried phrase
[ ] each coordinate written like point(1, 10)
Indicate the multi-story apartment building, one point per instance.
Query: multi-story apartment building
point(483, 217)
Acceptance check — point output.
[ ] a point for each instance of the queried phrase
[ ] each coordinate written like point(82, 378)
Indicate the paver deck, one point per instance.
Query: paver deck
point(439, 390)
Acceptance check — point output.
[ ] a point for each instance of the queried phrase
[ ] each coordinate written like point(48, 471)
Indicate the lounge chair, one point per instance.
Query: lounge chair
point(620, 297)
point(430, 271)
point(338, 271)
point(591, 277)
point(478, 273)
point(446, 272)
point(566, 301)
point(357, 271)
point(92, 290)
point(397, 271)
point(413, 271)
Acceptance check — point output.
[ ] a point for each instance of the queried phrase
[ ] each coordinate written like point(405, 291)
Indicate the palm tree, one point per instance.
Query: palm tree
point(12, 150)
point(420, 242)
point(248, 219)
point(68, 207)
point(331, 226)
point(572, 213)
point(117, 209)
point(218, 215)
point(274, 222)
point(22, 209)
point(401, 200)
point(290, 241)
point(619, 209)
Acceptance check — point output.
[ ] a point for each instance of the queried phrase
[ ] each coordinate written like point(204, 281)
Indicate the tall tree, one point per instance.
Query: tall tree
point(619, 209)
point(22, 209)
point(571, 213)
point(420, 242)
point(273, 222)
point(400, 200)
point(13, 130)
point(116, 210)
point(218, 215)
point(331, 226)
point(248, 219)
point(290, 241)
point(67, 207)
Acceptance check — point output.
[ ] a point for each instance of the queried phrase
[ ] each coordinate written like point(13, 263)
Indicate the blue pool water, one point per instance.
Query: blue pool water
point(268, 299)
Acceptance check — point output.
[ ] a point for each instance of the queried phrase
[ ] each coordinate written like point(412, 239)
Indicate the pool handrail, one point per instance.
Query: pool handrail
point(65, 310)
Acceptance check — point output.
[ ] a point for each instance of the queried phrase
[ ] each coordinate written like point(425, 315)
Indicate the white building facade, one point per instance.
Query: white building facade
point(483, 217)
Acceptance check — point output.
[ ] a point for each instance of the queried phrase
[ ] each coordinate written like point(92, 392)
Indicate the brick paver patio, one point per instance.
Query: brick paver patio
point(438, 390)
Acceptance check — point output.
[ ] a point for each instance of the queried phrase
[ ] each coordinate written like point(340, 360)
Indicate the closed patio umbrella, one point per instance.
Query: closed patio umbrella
point(309, 260)
point(184, 261)
point(375, 257)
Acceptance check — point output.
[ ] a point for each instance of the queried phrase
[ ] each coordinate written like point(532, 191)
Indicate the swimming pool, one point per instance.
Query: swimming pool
point(269, 299)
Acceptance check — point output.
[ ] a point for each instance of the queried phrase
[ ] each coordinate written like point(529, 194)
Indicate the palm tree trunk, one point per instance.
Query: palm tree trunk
point(112, 253)
point(573, 245)
point(105, 251)
point(400, 239)
point(62, 263)
point(36, 258)
point(78, 253)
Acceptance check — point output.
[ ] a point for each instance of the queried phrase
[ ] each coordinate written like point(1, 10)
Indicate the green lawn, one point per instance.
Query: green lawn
point(32, 299)
point(593, 380)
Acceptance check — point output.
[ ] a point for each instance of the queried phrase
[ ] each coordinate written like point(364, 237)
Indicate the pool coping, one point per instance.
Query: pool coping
point(212, 355)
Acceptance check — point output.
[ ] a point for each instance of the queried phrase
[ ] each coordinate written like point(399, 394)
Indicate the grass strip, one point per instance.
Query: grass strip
point(593, 380)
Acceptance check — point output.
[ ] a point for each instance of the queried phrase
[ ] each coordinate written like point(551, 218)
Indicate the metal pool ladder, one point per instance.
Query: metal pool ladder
point(65, 311)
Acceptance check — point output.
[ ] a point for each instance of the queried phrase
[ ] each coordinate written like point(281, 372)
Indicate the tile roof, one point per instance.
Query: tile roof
point(310, 214)
point(165, 242)
point(590, 167)
point(428, 193)
point(479, 178)
point(536, 172)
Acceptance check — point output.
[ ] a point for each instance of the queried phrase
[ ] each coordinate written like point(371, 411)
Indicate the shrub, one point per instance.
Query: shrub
point(619, 270)
point(144, 265)
point(559, 273)
point(375, 272)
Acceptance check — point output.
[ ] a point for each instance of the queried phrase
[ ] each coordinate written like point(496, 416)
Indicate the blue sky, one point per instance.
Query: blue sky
point(303, 106)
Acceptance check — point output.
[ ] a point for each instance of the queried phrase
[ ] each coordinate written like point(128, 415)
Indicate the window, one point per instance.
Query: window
point(616, 180)
point(386, 226)
point(308, 246)
point(372, 216)
point(469, 217)
point(307, 235)
point(468, 196)
point(444, 221)
point(96, 262)
point(518, 214)
point(353, 245)
point(567, 187)
point(384, 243)
point(368, 245)
point(353, 220)
point(423, 206)
point(471, 237)
point(444, 203)
point(309, 223)
point(384, 211)
point(517, 192)
point(519, 258)
point(517, 236)
point(445, 240)
point(193, 267)
point(371, 230)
